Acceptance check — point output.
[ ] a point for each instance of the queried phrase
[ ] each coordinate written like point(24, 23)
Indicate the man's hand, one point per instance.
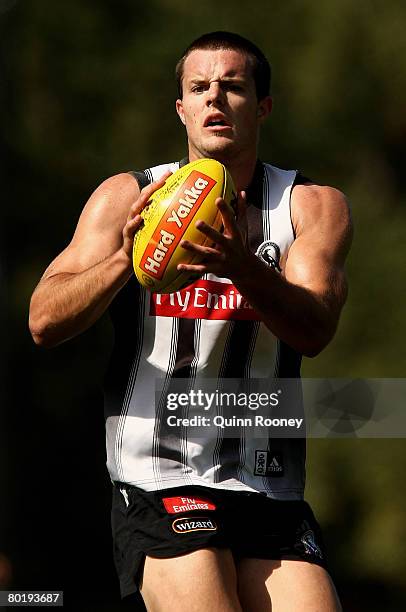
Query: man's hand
point(134, 219)
point(229, 257)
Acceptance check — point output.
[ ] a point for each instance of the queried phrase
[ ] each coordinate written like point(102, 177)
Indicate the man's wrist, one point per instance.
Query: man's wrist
point(123, 262)
point(251, 270)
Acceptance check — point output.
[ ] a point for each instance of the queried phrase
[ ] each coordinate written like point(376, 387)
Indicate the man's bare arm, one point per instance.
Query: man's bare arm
point(302, 306)
point(80, 283)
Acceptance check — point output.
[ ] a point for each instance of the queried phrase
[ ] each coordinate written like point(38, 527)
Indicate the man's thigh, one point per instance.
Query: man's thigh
point(285, 586)
point(195, 582)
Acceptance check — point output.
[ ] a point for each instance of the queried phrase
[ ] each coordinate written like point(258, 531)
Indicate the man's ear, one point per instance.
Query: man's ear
point(264, 108)
point(179, 110)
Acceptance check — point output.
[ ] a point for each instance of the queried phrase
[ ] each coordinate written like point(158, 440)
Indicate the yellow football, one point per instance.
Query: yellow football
point(189, 194)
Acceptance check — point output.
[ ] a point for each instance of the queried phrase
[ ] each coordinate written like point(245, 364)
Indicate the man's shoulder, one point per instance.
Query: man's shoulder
point(308, 193)
point(108, 205)
point(313, 204)
point(121, 186)
point(125, 186)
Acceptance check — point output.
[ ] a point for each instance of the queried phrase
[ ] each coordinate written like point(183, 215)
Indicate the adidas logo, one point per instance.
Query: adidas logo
point(268, 463)
point(274, 466)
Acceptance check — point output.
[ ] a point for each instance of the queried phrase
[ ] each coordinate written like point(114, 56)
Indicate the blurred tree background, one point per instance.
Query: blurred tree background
point(88, 90)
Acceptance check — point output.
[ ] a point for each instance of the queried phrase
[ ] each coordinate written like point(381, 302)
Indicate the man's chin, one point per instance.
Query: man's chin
point(221, 150)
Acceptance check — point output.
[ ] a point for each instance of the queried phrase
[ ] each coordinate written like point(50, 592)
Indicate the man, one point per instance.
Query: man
point(196, 523)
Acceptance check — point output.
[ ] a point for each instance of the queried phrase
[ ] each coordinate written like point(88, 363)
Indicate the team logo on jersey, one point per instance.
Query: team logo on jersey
point(309, 543)
point(268, 463)
point(175, 505)
point(270, 253)
point(199, 523)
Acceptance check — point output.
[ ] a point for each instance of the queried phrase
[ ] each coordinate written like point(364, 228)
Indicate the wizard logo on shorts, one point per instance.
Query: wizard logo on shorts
point(270, 253)
point(198, 523)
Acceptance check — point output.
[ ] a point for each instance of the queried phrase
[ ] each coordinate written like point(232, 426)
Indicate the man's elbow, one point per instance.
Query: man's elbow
point(317, 342)
point(313, 351)
point(40, 326)
point(43, 341)
point(40, 333)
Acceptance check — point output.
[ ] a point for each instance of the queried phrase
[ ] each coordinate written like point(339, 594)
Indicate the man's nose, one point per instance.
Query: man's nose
point(215, 94)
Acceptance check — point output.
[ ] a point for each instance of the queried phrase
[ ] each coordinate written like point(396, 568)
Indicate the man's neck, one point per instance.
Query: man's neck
point(242, 172)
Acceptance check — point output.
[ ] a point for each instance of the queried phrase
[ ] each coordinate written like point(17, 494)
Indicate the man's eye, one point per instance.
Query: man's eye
point(236, 88)
point(198, 89)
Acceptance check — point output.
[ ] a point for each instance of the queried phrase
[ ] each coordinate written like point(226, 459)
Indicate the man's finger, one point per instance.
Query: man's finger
point(195, 268)
point(211, 233)
point(148, 189)
point(146, 194)
point(227, 214)
point(202, 250)
point(132, 226)
point(241, 207)
point(242, 221)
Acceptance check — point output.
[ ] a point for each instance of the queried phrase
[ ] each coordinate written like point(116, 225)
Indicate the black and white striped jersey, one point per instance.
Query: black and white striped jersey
point(206, 330)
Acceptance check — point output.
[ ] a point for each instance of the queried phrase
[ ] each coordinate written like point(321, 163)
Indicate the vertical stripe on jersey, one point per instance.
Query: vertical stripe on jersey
point(176, 450)
point(266, 221)
point(195, 360)
point(220, 440)
point(236, 364)
point(288, 366)
point(143, 179)
point(192, 378)
point(186, 359)
point(131, 381)
point(160, 453)
point(149, 175)
point(287, 361)
point(185, 351)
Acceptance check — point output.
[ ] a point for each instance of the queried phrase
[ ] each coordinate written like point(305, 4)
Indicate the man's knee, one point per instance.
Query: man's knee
point(285, 586)
point(191, 582)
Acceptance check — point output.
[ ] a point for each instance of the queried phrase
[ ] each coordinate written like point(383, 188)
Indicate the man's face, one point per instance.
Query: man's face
point(219, 106)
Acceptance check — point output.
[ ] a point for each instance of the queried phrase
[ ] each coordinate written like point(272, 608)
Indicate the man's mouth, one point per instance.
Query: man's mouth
point(217, 125)
point(216, 122)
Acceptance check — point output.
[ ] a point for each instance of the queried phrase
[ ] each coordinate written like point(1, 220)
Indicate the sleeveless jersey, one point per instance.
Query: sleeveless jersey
point(206, 330)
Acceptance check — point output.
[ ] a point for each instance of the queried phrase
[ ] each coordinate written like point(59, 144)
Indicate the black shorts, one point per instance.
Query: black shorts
point(175, 521)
